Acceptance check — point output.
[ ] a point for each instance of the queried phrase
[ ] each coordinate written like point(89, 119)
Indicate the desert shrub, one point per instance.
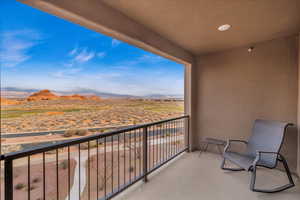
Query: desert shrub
point(64, 164)
point(32, 187)
point(73, 132)
point(36, 180)
point(70, 133)
point(54, 151)
point(82, 132)
point(175, 142)
point(20, 186)
point(93, 144)
point(131, 169)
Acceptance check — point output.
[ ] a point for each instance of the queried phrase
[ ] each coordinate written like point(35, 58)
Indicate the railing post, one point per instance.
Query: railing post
point(188, 134)
point(8, 179)
point(145, 153)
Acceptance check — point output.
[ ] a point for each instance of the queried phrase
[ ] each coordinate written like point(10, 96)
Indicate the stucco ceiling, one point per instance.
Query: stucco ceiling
point(192, 24)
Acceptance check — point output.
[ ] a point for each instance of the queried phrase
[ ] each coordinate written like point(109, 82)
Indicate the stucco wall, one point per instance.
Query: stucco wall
point(299, 104)
point(236, 87)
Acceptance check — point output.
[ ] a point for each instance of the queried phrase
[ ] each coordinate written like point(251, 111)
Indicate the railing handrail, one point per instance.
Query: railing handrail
point(49, 147)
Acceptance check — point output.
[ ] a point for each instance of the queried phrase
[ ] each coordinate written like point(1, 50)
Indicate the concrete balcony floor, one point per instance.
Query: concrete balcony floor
point(191, 176)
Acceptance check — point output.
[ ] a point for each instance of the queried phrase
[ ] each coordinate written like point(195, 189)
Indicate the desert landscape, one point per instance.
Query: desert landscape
point(44, 111)
point(45, 117)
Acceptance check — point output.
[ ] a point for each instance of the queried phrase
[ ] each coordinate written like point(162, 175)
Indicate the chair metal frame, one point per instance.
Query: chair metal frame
point(256, 163)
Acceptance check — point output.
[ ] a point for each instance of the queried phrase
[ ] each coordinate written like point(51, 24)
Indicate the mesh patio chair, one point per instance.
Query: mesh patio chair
point(263, 149)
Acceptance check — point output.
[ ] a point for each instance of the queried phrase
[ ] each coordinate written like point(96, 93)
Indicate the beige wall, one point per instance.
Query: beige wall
point(299, 104)
point(236, 87)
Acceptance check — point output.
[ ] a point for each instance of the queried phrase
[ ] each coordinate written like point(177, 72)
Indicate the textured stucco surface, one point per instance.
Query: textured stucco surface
point(236, 87)
point(193, 24)
point(299, 104)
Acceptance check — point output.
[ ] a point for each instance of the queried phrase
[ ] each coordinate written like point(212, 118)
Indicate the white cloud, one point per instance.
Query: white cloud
point(84, 56)
point(101, 54)
point(81, 55)
point(73, 51)
point(15, 46)
point(115, 42)
point(67, 73)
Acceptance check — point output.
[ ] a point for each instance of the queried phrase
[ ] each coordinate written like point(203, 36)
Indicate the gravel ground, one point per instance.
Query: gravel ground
point(80, 114)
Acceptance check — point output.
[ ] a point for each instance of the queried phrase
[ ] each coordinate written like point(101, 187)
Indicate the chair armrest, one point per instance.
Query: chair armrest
point(231, 141)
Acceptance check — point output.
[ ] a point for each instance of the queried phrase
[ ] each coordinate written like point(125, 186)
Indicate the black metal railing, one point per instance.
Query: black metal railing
point(94, 167)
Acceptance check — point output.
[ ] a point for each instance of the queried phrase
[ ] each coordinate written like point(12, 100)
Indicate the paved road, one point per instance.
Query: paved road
point(161, 131)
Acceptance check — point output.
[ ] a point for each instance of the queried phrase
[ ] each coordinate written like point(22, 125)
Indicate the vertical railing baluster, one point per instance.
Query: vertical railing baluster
point(118, 162)
point(156, 144)
point(188, 133)
point(28, 177)
point(134, 154)
point(69, 174)
point(97, 168)
point(129, 165)
point(140, 150)
point(177, 122)
point(44, 177)
point(124, 150)
point(79, 173)
point(89, 172)
point(160, 144)
point(172, 134)
point(112, 164)
point(169, 139)
point(165, 142)
point(145, 153)
point(152, 139)
point(57, 181)
point(8, 179)
point(105, 167)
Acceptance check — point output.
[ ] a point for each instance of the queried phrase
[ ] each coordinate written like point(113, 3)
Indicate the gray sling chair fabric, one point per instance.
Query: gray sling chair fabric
point(263, 149)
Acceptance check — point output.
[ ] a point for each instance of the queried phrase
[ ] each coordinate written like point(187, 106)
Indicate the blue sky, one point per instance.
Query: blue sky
point(41, 51)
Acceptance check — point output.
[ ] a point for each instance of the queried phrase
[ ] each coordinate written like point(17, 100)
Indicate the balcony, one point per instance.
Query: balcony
point(191, 176)
point(248, 72)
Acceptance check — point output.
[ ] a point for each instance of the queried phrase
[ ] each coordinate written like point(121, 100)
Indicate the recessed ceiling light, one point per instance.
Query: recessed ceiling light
point(224, 27)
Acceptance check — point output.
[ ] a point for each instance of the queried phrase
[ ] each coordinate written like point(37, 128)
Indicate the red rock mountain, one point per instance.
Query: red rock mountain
point(74, 97)
point(42, 95)
point(94, 98)
point(48, 95)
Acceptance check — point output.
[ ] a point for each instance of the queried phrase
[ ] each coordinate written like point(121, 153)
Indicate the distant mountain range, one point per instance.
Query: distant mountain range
point(15, 92)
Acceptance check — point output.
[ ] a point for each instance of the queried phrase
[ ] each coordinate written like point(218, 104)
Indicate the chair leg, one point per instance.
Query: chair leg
point(277, 189)
point(230, 169)
point(253, 178)
point(203, 150)
point(220, 151)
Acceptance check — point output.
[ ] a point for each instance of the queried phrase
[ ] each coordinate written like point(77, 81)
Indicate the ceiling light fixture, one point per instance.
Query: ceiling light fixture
point(224, 27)
point(250, 49)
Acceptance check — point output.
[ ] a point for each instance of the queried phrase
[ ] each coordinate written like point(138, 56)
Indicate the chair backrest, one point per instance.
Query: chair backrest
point(266, 136)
